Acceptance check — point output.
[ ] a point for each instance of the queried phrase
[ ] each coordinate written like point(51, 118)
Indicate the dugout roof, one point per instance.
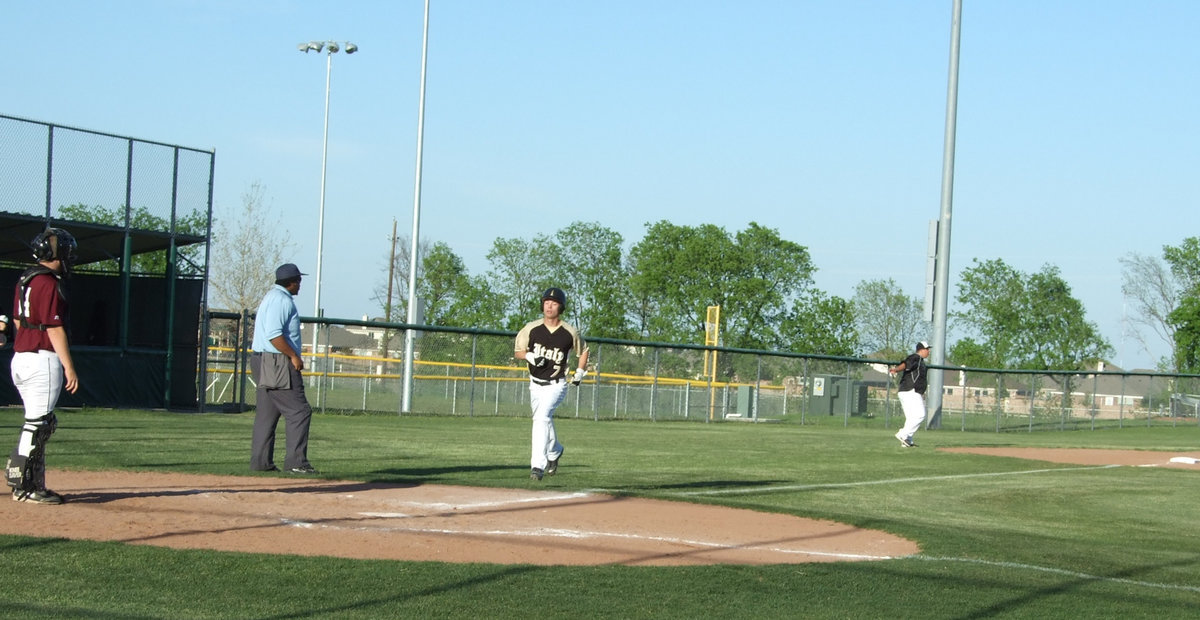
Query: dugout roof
point(97, 242)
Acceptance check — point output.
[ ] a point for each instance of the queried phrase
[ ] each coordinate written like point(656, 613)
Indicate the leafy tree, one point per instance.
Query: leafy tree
point(821, 324)
point(888, 321)
point(1157, 289)
point(1185, 263)
point(189, 258)
point(769, 274)
point(519, 268)
point(452, 297)
point(246, 251)
point(991, 291)
point(440, 279)
point(1023, 321)
point(588, 262)
point(1186, 321)
point(1056, 335)
point(678, 271)
point(392, 296)
point(1154, 293)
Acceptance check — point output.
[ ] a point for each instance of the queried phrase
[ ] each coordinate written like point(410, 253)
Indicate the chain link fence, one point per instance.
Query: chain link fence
point(468, 372)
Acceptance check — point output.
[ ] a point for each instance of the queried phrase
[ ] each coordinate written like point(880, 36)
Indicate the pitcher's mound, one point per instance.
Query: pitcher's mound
point(429, 522)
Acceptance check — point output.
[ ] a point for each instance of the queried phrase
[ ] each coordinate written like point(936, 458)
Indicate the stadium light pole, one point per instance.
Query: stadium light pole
point(331, 48)
point(411, 334)
point(941, 290)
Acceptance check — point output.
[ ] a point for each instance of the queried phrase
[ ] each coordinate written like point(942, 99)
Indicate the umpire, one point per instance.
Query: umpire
point(276, 365)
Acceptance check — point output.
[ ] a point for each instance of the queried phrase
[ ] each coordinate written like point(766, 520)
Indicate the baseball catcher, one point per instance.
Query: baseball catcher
point(41, 365)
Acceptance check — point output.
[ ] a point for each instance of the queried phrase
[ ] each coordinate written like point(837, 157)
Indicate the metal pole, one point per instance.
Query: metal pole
point(941, 288)
point(410, 335)
point(321, 210)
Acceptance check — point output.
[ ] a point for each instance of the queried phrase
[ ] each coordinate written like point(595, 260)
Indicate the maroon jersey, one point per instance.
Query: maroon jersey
point(37, 306)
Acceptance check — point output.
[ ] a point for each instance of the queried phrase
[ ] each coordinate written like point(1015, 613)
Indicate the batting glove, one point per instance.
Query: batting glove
point(580, 373)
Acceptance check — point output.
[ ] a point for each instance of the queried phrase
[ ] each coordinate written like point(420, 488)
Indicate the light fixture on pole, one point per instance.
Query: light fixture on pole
point(330, 48)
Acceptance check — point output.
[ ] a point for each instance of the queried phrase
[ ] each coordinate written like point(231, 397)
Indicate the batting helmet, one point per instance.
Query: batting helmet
point(54, 243)
point(556, 294)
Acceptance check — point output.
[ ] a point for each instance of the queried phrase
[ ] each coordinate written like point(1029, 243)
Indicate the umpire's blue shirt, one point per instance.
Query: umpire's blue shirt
point(277, 315)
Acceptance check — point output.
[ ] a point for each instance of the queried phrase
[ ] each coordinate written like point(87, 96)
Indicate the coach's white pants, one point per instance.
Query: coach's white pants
point(544, 399)
point(39, 378)
point(914, 413)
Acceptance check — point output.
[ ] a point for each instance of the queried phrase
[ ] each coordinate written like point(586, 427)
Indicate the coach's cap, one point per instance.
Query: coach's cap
point(288, 271)
point(922, 345)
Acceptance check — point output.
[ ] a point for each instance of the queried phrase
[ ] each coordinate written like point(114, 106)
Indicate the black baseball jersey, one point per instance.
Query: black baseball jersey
point(915, 372)
point(553, 344)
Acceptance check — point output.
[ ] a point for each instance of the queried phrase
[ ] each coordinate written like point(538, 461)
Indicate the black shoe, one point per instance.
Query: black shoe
point(535, 474)
point(271, 468)
point(552, 466)
point(43, 496)
point(307, 469)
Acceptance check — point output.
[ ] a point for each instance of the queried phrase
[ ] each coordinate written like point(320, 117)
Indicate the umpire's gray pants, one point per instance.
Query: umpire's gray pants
point(297, 414)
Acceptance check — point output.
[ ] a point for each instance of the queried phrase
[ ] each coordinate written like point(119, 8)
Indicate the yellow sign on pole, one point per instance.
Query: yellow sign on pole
point(712, 337)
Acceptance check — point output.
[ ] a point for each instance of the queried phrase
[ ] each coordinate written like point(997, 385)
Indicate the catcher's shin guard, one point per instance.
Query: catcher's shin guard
point(28, 473)
point(14, 474)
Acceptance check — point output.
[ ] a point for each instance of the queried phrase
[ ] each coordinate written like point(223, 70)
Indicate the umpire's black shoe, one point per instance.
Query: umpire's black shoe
point(307, 469)
point(535, 474)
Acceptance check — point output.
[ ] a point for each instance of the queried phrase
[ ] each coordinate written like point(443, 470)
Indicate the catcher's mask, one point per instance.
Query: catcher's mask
point(558, 295)
point(55, 244)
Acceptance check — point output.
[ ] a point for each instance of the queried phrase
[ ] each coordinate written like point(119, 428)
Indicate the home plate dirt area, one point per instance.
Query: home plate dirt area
point(429, 522)
point(306, 516)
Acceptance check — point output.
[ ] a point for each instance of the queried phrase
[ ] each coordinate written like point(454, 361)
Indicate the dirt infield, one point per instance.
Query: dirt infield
point(429, 522)
point(461, 524)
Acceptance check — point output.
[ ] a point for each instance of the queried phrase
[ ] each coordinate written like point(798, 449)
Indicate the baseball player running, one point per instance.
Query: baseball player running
point(912, 392)
point(41, 367)
point(545, 345)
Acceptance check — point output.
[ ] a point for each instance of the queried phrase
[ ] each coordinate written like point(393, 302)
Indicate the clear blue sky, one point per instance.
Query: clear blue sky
point(1078, 136)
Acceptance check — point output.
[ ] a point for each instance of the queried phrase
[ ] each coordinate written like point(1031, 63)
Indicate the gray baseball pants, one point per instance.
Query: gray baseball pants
point(293, 406)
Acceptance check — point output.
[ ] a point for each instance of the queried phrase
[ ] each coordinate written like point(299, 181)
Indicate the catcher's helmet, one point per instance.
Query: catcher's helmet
point(556, 294)
point(54, 243)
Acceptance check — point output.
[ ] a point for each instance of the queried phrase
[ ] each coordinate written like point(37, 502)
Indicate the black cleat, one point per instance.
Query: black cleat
point(44, 496)
point(552, 466)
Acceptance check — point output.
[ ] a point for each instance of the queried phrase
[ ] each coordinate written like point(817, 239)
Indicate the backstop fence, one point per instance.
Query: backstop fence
point(141, 212)
point(472, 372)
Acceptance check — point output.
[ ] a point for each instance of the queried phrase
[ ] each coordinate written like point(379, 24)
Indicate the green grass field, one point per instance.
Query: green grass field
point(1000, 537)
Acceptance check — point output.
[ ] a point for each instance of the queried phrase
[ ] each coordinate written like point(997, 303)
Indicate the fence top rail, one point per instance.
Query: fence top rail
point(720, 349)
point(107, 135)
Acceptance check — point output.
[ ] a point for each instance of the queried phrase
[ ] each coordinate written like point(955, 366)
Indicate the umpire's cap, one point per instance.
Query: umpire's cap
point(287, 271)
point(556, 294)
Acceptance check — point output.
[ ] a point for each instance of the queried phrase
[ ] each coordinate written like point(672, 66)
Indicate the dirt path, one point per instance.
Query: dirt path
point(461, 524)
point(429, 522)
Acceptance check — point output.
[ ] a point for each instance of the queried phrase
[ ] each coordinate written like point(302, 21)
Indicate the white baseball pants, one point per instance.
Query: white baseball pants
point(544, 399)
point(39, 378)
point(913, 404)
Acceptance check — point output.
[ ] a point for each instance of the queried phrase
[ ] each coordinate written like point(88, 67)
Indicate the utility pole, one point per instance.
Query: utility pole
point(387, 313)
